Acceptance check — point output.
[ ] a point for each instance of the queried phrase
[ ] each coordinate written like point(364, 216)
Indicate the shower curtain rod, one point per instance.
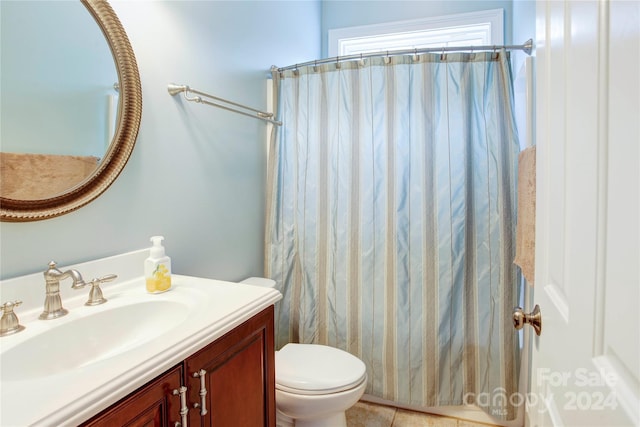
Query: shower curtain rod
point(175, 89)
point(526, 47)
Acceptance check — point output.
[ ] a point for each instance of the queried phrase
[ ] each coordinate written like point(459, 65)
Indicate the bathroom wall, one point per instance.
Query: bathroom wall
point(197, 173)
point(523, 28)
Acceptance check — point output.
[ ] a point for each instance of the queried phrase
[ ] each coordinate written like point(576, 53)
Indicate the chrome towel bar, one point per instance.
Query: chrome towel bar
point(175, 89)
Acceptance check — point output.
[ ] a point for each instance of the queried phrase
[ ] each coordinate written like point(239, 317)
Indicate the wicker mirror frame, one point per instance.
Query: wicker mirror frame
point(126, 132)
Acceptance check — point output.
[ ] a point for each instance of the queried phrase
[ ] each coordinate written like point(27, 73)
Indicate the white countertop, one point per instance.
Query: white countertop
point(58, 396)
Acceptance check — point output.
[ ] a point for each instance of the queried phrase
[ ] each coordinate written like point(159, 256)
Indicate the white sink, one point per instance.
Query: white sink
point(63, 371)
point(85, 340)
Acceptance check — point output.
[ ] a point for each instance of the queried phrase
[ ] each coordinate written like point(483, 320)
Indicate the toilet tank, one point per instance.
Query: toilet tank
point(260, 281)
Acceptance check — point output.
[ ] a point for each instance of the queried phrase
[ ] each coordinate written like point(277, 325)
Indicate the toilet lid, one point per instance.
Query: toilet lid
point(317, 369)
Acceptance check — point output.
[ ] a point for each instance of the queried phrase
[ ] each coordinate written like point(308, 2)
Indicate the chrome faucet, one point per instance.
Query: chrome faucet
point(53, 303)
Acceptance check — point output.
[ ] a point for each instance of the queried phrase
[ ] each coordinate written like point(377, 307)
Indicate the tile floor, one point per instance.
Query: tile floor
point(365, 414)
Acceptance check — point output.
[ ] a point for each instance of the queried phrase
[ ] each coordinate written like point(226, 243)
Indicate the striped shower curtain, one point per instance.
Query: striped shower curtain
point(391, 221)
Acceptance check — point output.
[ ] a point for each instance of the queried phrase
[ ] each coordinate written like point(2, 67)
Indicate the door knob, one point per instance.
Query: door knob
point(534, 319)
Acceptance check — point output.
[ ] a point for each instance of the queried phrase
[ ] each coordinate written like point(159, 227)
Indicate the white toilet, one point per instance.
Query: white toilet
point(315, 384)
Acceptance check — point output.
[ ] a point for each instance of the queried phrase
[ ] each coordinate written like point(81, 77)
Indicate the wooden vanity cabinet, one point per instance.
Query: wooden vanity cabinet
point(154, 404)
point(238, 374)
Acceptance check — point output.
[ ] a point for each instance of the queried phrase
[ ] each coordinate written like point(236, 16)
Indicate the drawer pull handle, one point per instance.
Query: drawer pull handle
point(203, 392)
point(184, 410)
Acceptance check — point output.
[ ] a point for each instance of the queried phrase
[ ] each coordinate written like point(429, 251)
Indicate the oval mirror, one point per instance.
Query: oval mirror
point(61, 173)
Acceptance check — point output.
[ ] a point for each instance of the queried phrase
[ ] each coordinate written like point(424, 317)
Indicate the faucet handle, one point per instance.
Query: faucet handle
point(95, 294)
point(10, 304)
point(9, 323)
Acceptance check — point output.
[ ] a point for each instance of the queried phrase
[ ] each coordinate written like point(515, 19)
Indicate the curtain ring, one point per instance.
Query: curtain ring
point(415, 54)
point(315, 66)
point(443, 57)
point(337, 63)
point(296, 72)
point(361, 60)
point(387, 59)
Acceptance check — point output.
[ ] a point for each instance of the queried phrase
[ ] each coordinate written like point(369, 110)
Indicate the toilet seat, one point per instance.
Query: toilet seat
point(317, 369)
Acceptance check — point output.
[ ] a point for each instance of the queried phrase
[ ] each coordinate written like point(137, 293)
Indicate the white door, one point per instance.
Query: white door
point(586, 363)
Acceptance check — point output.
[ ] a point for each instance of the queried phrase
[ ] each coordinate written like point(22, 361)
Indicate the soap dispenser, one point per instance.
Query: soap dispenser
point(157, 268)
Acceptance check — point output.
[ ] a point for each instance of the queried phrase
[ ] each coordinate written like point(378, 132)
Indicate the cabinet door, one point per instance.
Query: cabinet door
point(152, 405)
point(237, 372)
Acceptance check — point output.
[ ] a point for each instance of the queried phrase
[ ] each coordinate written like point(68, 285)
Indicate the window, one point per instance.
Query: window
point(468, 29)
